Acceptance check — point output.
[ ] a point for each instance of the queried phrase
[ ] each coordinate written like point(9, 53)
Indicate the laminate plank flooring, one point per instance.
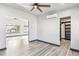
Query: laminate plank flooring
point(21, 47)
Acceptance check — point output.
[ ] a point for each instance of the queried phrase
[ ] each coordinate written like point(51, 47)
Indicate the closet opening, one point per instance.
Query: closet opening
point(65, 30)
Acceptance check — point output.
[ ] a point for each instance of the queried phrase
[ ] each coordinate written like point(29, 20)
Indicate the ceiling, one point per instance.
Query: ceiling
point(54, 7)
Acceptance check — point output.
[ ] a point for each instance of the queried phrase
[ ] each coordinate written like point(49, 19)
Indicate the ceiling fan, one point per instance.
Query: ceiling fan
point(37, 5)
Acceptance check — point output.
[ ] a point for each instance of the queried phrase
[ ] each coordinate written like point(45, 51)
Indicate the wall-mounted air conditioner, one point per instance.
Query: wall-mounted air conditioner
point(52, 16)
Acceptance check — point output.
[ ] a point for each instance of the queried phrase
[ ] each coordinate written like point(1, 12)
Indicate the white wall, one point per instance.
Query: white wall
point(48, 29)
point(74, 13)
point(2, 34)
point(44, 25)
point(6, 13)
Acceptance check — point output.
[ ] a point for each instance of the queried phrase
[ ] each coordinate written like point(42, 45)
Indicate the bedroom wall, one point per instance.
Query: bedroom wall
point(6, 15)
point(44, 26)
point(48, 29)
point(74, 13)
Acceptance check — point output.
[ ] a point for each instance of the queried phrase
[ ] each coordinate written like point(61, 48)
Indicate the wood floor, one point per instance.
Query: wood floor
point(44, 49)
point(20, 47)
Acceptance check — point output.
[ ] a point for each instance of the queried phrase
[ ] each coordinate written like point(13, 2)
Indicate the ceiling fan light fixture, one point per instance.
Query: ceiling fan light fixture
point(35, 6)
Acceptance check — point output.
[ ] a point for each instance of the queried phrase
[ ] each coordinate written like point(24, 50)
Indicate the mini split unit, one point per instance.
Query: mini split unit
point(52, 16)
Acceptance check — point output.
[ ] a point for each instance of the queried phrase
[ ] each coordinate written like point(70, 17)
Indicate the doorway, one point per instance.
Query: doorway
point(65, 29)
point(17, 35)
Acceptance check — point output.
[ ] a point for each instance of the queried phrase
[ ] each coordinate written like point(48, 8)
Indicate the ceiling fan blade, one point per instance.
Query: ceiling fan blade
point(39, 9)
point(32, 8)
point(44, 5)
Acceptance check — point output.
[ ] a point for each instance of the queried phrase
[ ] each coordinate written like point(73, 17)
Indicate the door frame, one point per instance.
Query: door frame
point(61, 18)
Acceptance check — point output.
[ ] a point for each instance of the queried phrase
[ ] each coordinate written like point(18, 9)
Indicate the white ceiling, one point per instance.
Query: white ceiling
point(54, 7)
